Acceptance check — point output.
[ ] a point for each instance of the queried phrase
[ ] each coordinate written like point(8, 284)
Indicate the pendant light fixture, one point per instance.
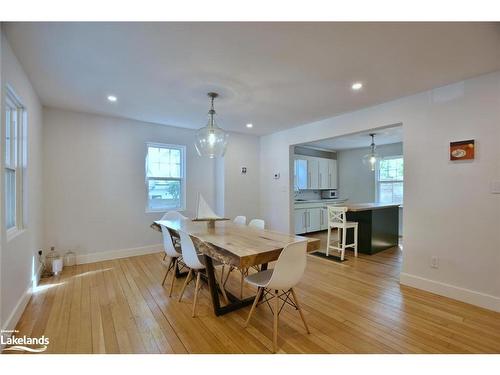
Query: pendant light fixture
point(372, 157)
point(211, 140)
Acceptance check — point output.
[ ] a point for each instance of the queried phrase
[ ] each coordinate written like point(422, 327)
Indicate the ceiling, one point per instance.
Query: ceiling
point(382, 137)
point(274, 75)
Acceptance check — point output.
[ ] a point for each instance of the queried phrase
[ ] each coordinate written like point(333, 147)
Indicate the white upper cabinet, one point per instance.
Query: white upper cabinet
point(301, 177)
point(314, 173)
point(332, 174)
point(324, 173)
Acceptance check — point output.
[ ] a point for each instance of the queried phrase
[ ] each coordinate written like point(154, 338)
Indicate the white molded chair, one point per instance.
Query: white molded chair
point(257, 223)
point(254, 223)
point(287, 272)
point(172, 215)
point(172, 251)
point(196, 266)
point(337, 219)
point(240, 220)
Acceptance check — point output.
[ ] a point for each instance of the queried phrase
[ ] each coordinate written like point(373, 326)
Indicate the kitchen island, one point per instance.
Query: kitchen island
point(378, 226)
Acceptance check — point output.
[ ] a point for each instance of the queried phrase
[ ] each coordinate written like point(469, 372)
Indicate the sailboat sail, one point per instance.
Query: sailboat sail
point(204, 211)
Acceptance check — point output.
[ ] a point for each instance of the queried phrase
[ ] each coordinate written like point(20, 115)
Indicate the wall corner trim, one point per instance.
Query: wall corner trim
point(117, 254)
point(472, 297)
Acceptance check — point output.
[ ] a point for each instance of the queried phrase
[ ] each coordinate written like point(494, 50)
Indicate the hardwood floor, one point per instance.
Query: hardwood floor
point(358, 306)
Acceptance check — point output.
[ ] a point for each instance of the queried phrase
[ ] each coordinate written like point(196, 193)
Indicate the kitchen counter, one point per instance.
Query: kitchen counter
point(335, 200)
point(354, 207)
point(378, 226)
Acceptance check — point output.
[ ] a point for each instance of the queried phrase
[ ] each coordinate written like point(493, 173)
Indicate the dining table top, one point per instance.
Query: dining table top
point(236, 244)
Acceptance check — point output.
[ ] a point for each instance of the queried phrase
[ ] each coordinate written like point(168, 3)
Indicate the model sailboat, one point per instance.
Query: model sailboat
point(205, 213)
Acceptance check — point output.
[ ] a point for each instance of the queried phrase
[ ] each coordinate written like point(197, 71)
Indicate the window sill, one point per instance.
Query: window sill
point(13, 233)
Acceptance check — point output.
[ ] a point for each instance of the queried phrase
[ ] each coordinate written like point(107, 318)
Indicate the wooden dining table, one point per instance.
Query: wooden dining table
point(234, 245)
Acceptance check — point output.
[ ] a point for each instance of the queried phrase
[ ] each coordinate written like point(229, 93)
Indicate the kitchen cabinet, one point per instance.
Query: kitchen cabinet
point(301, 177)
point(332, 174)
point(308, 220)
point(313, 219)
point(300, 221)
point(313, 173)
point(324, 173)
point(324, 218)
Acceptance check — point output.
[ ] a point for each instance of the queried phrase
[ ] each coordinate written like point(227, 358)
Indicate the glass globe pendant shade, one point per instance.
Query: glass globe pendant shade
point(371, 160)
point(372, 157)
point(211, 141)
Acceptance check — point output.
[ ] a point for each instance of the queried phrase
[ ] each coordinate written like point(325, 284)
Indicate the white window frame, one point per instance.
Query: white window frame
point(182, 179)
point(18, 160)
point(377, 174)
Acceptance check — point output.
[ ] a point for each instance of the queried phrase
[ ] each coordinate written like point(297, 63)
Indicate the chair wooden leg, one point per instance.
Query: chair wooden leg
point(255, 301)
point(275, 326)
point(196, 290)
point(344, 236)
point(328, 241)
point(300, 309)
point(173, 277)
point(188, 279)
point(168, 270)
point(356, 241)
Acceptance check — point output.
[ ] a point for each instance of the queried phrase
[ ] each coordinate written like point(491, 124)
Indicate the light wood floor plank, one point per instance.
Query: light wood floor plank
point(358, 306)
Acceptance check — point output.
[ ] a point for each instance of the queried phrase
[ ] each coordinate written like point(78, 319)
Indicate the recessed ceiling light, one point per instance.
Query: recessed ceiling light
point(357, 86)
point(112, 98)
point(249, 126)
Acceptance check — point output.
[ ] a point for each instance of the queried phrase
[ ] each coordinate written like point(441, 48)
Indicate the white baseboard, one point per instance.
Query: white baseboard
point(18, 310)
point(465, 295)
point(15, 315)
point(117, 254)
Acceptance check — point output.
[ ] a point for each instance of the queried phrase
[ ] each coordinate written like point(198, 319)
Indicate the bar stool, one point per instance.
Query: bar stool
point(337, 219)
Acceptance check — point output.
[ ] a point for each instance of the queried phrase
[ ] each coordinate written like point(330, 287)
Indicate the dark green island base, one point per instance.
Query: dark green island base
point(378, 226)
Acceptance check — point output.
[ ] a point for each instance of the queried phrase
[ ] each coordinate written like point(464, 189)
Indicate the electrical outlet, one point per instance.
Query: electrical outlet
point(434, 262)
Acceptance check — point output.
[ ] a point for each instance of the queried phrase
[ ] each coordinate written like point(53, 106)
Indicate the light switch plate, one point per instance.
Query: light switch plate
point(495, 187)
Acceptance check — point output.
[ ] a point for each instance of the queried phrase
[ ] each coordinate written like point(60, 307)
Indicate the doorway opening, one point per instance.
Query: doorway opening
point(363, 172)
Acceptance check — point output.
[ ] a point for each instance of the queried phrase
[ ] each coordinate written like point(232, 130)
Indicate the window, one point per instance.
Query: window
point(15, 121)
point(165, 177)
point(390, 180)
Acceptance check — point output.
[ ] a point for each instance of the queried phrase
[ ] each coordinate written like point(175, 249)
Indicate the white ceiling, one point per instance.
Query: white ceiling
point(382, 137)
point(275, 75)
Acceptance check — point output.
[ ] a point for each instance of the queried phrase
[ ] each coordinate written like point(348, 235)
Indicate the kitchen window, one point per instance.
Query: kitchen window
point(165, 177)
point(15, 161)
point(389, 177)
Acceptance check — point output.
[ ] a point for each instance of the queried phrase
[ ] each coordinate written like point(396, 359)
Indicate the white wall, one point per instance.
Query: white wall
point(242, 191)
point(356, 180)
point(94, 182)
point(18, 253)
point(449, 211)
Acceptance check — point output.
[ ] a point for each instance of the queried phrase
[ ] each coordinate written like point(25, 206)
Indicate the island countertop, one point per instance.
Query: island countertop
point(354, 207)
